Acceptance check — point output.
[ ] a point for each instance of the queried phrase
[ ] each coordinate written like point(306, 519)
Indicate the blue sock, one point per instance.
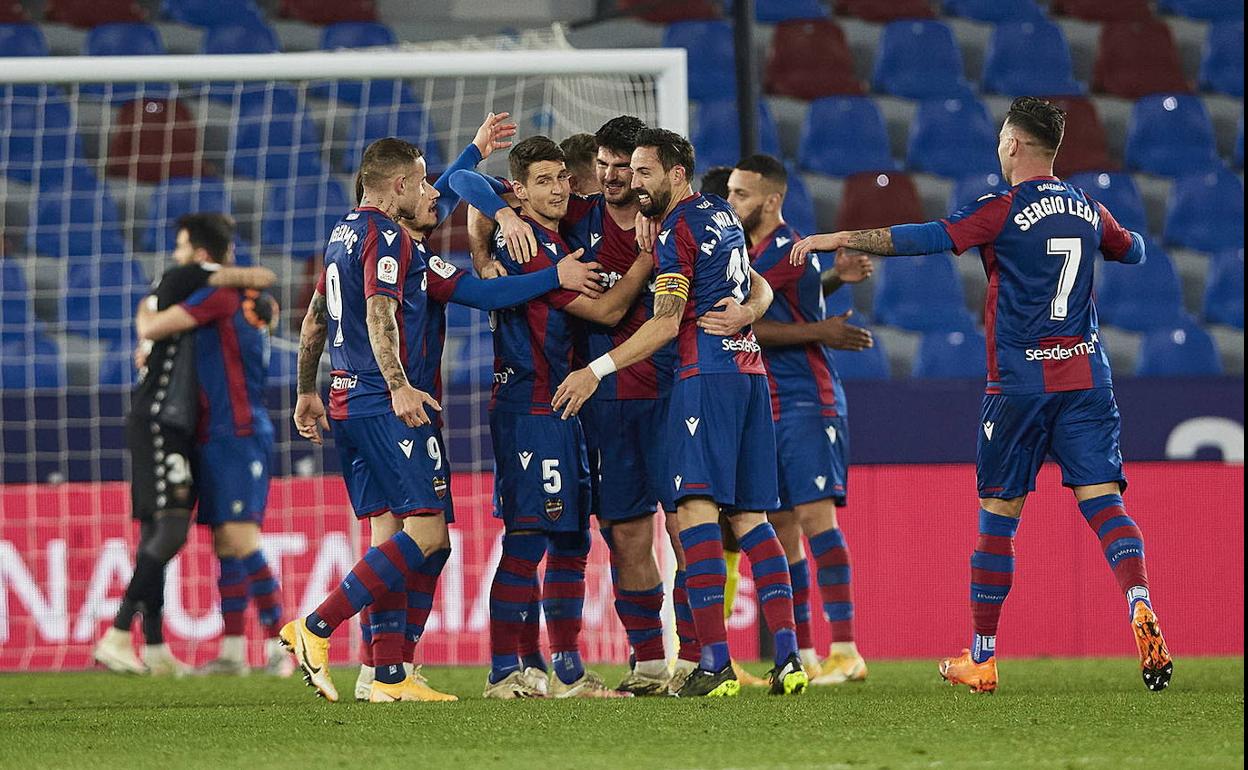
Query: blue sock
point(502, 665)
point(568, 666)
point(984, 647)
point(714, 656)
point(392, 674)
point(533, 660)
point(786, 645)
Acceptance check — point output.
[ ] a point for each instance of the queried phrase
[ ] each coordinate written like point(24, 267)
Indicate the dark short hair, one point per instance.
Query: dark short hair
point(535, 149)
point(673, 149)
point(385, 157)
point(715, 181)
point(768, 167)
point(578, 150)
point(359, 188)
point(619, 135)
point(211, 231)
point(1039, 118)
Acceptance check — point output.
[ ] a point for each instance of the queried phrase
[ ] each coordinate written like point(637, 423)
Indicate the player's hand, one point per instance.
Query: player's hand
point(310, 417)
point(492, 269)
point(727, 318)
point(839, 334)
point(646, 230)
point(494, 133)
point(574, 391)
point(578, 276)
point(521, 243)
point(819, 242)
point(853, 266)
point(409, 406)
point(141, 352)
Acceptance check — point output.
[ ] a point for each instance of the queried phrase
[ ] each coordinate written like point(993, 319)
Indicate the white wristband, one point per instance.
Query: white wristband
point(602, 365)
point(152, 304)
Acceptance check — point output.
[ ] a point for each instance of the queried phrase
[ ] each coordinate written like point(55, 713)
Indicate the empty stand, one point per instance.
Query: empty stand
point(869, 364)
point(1140, 297)
point(810, 59)
point(717, 138)
point(211, 13)
point(92, 13)
point(255, 37)
point(1206, 211)
point(1099, 10)
point(1084, 147)
point(1211, 10)
point(712, 62)
point(878, 200)
point(919, 59)
point(884, 11)
point(778, 11)
point(22, 40)
point(1119, 193)
point(845, 135)
point(154, 139)
point(1222, 68)
point(101, 295)
point(173, 199)
point(408, 118)
point(274, 139)
point(298, 217)
point(949, 355)
point(968, 189)
point(1170, 135)
point(12, 12)
point(663, 12)
point(1184, 350)
point(39, 141)
point(321, 12)
point(799, 207)
point(124, 39)
point(32, 361)
point(1124, 69)
point(953, 137)
point(1224, 289)
point(921, 294)
point(1029, 58)
point(994, 11)
point(76, 219)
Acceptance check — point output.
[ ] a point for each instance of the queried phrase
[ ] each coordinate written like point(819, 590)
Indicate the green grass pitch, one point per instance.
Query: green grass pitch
point(1048, 713)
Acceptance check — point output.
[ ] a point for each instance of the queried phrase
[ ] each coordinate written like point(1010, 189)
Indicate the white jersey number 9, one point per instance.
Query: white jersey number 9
point(333, 299)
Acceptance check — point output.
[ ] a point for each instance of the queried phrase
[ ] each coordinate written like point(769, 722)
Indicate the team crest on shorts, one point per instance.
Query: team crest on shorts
point(439, 486)
point(554, 508)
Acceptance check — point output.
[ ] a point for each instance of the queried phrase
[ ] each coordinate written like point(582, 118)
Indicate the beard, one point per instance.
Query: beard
point(658, 202)
point(751, 221)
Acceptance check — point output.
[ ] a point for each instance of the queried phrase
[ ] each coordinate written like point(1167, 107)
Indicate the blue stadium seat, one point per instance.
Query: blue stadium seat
point(22, 40)
point(273, 139)
point(255, 37)
point(1170, 135)
point(298, 217)
point(39, 141)
point(211, 13)
point(30, 362)
point(994, 10)
point(1029, 57)
point(356, 34)
point(919, 59)
point(283, 366)
point(16, 312)
point(172, 199)
point(1117, 192)
point(242, 253)
point(950, 355)
point(1140, 297)
point(1222, 68)
point(921, 294)
point(1179, 350)
point(717, 136)
point(953, 138)
point(101, 296)
point(845, 135)
point(1206, 211)
point(840, 300)
point(869, 364)
point(776, 11)
point(1224, 289)
point(124, 39)
point(408, 119)
point(711, 62)
point(799, 207)
point(968, 189)
point(116, 365)
point(77, 220)
point(1211, 10)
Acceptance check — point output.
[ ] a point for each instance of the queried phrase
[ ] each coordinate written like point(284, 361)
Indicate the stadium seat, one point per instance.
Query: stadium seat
point(711, 62)
point(661, 12)
point(1222, 68)
point(17, 315)
point(1209, 10)
point(22, 40)
point(1170, 135)
point(1117, 192)
point(124, 39)
point(878, 200)
point(321, 12)
point(1085, 146)
point(810, 59)
point(1140, 297)
point(921, 294)
point(254, 37)
point(1180, 350)
point(968, 189)
point(1239, 145)
point(174, 198)
point(283, 366)
point(298, 217)
point(994, 11)
point(29, 362)
point(1029, 57)
point(356, 34)
point(12, 12)
point(951, 355)
point(1099, 11)
point(1224, 289)
point(799, 207)
point(717, 136)
point(75, 219)
point(953, 138)
point(92, 13)
point(275, 140)
point(39, 140)
point(845, 135)
point(1206, 211)
point(1120, 70)
point(919, 59)
point(101, 296)
point(407, 119)
point(154, 139)
point(211, 13)
point(779, 11)
point(869, 364)
point(884, 11)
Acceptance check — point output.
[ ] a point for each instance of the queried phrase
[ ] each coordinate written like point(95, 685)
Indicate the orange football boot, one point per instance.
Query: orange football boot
point(1155, 662)
point(980, 677)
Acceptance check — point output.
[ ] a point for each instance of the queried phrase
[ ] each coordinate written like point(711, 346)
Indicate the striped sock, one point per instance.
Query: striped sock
point(383, 568)
point(421, 587)
point(770, 569)
point(265, 592)
point(510, 594)
point(232, 585)
point(707, 573)
point(1122, 542)
point(530, 644)
point(366, 637)
point(640, 612)
point(992, 574)
point(833, 575)
point(686, 632)
point(563, 602)
point(799, 576)
point(387, 621)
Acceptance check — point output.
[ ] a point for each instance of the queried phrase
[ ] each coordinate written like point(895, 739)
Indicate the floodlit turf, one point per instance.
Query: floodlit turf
point(1048, 713)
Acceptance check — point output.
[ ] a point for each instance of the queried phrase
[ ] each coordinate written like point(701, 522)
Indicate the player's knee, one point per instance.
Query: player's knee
point(789, 532)
point(1013, 507)
point(634, 539)
point(168, 535)
point(429, 532)
point(569, 543)
point(816, 517)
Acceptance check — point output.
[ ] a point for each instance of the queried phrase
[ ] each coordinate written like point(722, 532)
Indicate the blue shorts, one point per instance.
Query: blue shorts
point(813, 453)
point(541, 472)
point(1078, 428)
point(627, 457)
point(389, 467)
point(722, 441)
point(232, 474)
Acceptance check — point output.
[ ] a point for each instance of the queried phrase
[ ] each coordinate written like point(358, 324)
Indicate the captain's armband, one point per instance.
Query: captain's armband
point(674, 284)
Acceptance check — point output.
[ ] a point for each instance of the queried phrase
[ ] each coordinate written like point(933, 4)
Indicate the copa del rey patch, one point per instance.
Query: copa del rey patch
point(388, 270)
point(441, 267)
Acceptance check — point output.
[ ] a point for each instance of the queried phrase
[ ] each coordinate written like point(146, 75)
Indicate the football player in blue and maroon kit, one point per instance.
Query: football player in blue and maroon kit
point(1049, 390)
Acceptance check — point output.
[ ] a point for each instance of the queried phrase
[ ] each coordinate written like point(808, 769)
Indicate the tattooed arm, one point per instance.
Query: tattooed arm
point(309, 409)
point(383, 336)
point(878, 241)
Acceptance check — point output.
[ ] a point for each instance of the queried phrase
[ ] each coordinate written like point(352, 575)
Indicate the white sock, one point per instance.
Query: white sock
point(652, 668)
point(843, 648)
point(234, 648)
point(810, 659)
point(1138, 594)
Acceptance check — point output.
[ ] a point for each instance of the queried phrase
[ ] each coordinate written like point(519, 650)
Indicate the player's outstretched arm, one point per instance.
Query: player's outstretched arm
point(383, 336)
point(512, 290)
point(835, 332)
point(480, 192)
point(243, 277)
point(493, 134)
point(154, 325)
point(729, 316)
point(898, 240)
point(309, 409)
point(610, 308)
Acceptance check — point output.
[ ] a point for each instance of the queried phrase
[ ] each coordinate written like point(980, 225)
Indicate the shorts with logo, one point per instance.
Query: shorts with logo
point(541, 472)
point(813, 454)
point(722, 441)
point(161, 476)
point(627, 457)
point(233, 479)
point(1077, 428)
point(389, 467)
